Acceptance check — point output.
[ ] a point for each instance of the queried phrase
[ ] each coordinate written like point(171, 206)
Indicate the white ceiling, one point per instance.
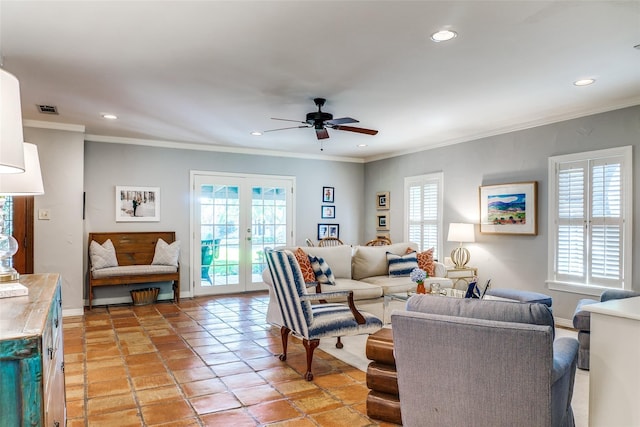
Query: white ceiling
point(210, 72)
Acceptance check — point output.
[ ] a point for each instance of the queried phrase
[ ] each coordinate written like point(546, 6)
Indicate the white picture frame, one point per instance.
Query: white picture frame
point(137, 204)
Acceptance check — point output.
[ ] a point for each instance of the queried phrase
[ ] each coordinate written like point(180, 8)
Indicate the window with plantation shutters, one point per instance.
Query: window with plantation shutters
point(590, 220)
point(423, 219)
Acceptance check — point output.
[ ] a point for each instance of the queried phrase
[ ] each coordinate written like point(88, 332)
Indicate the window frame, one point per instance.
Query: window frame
point(438, 179)
point(626, 179)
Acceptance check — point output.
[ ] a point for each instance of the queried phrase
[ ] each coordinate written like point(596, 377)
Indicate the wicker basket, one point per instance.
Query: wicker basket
point(145, 296)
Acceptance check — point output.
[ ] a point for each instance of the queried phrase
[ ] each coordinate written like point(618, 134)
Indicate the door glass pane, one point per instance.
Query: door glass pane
point(220, 235)
point(268, 224)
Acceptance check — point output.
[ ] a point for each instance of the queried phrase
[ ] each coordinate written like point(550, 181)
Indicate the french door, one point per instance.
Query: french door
point(235, 218)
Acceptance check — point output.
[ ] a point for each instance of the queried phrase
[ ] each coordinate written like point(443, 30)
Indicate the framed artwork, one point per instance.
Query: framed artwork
point(328, 230)
point(327, 195)
point(382, 200)
point(137, 204)
point(509, 208)
point(328, 212)
point(382, 221)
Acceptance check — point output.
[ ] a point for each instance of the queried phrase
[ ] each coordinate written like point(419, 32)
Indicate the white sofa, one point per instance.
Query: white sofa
point(361, 269)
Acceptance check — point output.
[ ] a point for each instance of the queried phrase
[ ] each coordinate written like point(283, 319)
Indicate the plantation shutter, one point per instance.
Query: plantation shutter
point(590, 221)
point(423, 211)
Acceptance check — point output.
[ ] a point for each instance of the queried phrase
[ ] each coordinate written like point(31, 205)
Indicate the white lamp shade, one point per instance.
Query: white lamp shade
point(11, 139)
point(27, 183)
point(461, 232)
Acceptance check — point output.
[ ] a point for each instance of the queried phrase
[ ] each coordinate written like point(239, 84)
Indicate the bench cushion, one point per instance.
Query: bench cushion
point(133, 270)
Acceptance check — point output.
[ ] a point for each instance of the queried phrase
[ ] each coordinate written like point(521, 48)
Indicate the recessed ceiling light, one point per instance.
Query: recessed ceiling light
point(109, 116)
point(584, 82)
point(256, 133)
point(362, 145)
point(443, 35)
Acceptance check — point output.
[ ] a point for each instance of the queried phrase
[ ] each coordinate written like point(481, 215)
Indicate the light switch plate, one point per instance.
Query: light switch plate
point(44, 214)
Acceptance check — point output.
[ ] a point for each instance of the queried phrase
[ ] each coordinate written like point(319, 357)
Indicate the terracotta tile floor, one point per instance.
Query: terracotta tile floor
point(209, 361)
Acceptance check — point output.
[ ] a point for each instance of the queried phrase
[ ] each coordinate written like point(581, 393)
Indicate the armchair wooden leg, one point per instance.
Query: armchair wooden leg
point(284, 333)
point(339, 343)
point(310, 346)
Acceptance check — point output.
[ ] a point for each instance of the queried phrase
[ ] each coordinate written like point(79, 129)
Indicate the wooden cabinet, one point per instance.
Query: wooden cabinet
point(32, 391)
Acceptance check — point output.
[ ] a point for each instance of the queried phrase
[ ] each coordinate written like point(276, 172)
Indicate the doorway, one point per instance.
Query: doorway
point(235, 218)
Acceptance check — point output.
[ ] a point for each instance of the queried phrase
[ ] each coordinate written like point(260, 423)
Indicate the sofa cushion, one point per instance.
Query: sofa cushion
point(323, 272)
point(102, 256)
point(531, 313)
point(308, 275)
point(372, 260)
point(338, 258)
point(402, 265)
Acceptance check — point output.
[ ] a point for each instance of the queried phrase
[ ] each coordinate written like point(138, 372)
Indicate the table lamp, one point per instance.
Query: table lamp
point(28, 183)
point(461, 233)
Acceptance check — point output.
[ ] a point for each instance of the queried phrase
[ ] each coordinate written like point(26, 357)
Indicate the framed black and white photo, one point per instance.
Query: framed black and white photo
point(327, 195)
point(328, 212)
point(382, 200)
point(137, 204)
point(382, 222)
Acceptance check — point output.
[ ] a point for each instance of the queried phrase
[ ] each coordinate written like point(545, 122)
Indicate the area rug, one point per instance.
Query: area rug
point(354, 354)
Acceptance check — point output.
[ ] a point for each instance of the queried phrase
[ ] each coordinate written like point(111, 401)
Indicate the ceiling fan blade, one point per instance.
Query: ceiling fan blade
point(322, 133)
point(288, 120)
point(358, 130)
point(341, 121)
point(292, 127)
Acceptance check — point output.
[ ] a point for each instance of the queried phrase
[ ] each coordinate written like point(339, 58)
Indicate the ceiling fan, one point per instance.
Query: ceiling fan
point(321, 121)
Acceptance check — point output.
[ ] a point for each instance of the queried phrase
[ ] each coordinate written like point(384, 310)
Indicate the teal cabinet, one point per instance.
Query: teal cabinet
point(32, 389)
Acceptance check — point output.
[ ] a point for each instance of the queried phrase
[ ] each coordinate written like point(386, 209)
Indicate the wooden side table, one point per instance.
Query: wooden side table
point(461, 276)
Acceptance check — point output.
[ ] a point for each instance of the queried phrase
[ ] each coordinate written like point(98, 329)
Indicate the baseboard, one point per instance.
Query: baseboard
point(69, 312)
point(125, 299)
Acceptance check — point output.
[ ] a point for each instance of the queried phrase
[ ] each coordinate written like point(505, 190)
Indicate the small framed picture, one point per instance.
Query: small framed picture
point(327, 195)
point(137, 204)
point(382, 200)
point(328, 212)
point(328, 230)
point(382, 221)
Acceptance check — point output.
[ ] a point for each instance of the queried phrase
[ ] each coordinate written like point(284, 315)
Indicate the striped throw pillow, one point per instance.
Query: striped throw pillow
point(401, 265)
point(324, 275)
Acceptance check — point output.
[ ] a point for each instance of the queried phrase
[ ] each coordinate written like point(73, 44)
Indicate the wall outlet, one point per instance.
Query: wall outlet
point(44, 214)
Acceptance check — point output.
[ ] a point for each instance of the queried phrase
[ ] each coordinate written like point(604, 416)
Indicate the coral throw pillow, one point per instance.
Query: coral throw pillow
point(305, 265)
point(425, 261)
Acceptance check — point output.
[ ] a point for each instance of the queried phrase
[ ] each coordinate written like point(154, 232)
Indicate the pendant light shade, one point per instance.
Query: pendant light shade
point(11, 139)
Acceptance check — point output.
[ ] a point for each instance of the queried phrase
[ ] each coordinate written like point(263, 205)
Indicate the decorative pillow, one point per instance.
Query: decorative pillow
point(305, 265)
point(166, 254)
point(102, 256)
point(425, 261)
point(323, 273)
point(401, 265)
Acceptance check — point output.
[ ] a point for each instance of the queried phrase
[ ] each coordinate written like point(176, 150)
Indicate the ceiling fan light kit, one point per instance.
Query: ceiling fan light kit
point(321, 121)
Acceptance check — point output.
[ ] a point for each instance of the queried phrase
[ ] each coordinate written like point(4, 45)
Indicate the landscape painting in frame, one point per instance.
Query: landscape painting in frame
point(137, 204)
point(509, 208)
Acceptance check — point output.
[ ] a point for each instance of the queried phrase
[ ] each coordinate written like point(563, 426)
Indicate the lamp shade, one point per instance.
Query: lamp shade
point(27, 183)
point(11, 139)
point(461, 232)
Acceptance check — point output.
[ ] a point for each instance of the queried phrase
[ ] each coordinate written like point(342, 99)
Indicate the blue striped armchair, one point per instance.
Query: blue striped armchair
point(311, 322)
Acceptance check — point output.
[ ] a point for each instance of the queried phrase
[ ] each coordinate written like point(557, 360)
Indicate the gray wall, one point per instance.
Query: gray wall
point(510, 261)
point(58, 242)
point(108, 165)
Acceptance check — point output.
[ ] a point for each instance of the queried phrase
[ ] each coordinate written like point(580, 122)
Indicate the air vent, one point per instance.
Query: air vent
point(48, 109)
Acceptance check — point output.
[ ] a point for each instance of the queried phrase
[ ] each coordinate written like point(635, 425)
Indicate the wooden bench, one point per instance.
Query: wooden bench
point(134, 248)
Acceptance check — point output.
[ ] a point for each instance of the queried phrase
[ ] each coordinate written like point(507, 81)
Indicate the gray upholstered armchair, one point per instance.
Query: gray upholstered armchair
point(582, 321)
point(482, 363)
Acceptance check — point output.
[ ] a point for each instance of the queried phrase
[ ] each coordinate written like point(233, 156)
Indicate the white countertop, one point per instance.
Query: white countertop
point(626, 307)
